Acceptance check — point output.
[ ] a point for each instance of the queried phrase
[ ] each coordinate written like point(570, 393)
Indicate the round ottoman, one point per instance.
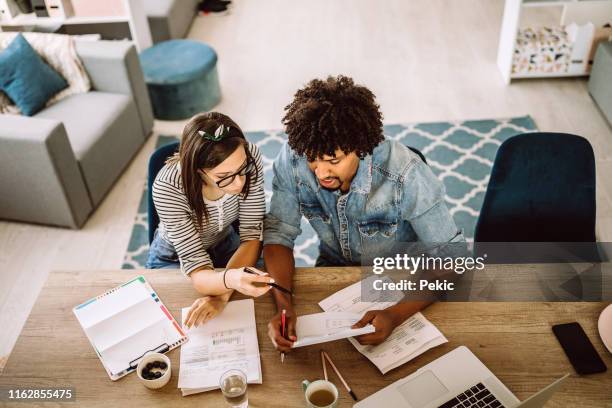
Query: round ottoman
point(182, 79)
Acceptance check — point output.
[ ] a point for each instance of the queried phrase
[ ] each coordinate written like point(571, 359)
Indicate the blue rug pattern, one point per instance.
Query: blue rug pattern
point(461, 154)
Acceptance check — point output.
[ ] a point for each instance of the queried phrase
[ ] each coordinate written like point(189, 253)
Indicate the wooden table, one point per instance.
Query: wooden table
point(513, 339)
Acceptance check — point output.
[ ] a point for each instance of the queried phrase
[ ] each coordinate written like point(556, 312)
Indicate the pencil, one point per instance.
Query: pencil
point(283, 330)
point(324, 365)
point(351, 393)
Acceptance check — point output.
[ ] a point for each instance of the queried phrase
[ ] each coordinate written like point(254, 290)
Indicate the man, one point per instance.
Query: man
point(361, 194)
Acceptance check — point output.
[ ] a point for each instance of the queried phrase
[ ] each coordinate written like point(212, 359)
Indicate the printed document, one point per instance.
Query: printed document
point(228, 341)
point(409, 340)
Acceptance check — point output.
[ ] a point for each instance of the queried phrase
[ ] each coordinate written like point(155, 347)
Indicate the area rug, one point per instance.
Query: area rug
point(461, 154)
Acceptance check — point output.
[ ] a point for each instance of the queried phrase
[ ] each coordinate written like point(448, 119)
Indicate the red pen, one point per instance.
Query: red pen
point(283, 330)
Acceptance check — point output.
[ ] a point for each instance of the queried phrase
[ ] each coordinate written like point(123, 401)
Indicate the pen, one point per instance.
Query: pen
point(283, 330)
point(274, 285)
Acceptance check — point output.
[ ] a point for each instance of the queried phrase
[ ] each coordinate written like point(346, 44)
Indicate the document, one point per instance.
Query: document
point(409, 340)
point(228, 341)
point(323, 327)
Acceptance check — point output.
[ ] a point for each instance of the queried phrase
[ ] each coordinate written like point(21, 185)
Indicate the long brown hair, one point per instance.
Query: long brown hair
point(197, 152)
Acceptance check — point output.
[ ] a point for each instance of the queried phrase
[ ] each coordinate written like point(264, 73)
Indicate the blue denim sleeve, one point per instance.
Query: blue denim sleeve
point(282, 222)
point(423, 205)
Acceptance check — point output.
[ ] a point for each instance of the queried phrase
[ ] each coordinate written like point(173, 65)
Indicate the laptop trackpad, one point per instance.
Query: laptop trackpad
point(423, 389)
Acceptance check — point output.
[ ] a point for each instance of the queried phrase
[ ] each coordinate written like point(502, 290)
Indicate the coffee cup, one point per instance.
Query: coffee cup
point(320, 394)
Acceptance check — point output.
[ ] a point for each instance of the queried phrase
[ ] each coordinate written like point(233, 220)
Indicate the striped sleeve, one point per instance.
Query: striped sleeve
point(253, 208)
point(174, 211)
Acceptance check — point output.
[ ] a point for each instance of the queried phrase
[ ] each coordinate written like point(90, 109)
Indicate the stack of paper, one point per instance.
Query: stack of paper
point(409, 340)
point(228, 341)
point(323, 327)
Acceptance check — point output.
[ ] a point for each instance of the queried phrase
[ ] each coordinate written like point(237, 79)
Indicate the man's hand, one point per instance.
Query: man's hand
point(204, 309)
point(383, 320)
point(275, 330)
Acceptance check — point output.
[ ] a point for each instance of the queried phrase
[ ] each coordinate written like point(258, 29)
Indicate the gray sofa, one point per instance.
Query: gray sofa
point(57, 166)
point(169, 19)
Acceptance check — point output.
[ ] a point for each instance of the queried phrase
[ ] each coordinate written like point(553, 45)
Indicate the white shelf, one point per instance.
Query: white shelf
point(547, 75)
point(33, 20)
point(579, 11)
point(135, 18)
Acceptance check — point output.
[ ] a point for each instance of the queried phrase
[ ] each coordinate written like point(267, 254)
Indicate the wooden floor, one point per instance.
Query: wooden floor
point(425, 60)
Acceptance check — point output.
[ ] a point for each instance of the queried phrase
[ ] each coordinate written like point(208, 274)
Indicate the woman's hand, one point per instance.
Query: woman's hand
point(204, 309)
point(383, 320)
point(247, 283)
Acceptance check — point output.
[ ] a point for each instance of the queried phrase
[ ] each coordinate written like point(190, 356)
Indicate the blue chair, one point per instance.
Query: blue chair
point(542, 189)
point(418, 152)
point(156, 162)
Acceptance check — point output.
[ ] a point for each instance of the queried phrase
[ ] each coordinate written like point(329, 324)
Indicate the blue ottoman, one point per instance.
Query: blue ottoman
point(182, 78)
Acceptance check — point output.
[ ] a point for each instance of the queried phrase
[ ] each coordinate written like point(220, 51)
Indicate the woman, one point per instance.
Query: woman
point(212, 183)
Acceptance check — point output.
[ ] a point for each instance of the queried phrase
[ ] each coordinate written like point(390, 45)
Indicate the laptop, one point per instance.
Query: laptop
point(457, 379)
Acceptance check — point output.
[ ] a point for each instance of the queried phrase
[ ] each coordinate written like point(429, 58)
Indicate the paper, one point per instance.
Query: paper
point(410, 339)
point(323, 327)
point(228, 341)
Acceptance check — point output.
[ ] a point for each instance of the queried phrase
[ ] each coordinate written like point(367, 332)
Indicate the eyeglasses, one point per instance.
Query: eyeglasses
point(247, 168)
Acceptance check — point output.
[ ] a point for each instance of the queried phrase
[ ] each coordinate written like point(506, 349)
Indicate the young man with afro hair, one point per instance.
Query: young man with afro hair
point(360, 192)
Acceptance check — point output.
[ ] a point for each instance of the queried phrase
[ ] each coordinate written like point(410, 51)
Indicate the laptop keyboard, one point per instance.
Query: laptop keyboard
point(477, 396)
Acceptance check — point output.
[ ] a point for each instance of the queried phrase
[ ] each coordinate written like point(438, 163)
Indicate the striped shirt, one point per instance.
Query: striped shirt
point(177, 220)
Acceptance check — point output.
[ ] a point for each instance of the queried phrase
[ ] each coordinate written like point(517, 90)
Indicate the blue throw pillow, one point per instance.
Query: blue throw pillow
point(25, 77)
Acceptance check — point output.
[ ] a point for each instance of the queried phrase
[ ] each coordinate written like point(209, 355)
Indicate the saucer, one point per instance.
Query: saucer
point(604, 325)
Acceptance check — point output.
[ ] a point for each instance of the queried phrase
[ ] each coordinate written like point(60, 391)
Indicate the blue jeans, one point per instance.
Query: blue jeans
point(162, 254)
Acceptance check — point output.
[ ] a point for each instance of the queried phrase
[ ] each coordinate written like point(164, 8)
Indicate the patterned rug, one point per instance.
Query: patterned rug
point(461, 154)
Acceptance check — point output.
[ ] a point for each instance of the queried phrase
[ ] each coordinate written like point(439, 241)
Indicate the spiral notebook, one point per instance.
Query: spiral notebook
point(125, 323)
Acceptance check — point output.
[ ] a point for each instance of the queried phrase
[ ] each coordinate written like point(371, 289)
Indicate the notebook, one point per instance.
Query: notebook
point(125, 323)
point(228, 341)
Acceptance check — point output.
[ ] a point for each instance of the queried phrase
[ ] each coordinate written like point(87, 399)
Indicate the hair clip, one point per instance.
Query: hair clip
point(220, 133)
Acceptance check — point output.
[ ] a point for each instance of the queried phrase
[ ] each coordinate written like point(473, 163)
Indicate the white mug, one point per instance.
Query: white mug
point(158, 382)
point(311, 387)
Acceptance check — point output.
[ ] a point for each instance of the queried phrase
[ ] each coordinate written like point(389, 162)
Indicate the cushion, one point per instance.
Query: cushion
point(25, 77)
point(104, 132)
point(86, 117)
point(59, 51)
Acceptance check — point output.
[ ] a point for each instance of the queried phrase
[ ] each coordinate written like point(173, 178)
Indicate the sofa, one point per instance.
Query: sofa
point(57, 166)
point(169, 19)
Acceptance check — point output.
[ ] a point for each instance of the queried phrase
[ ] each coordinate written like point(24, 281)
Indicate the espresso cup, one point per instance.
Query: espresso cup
point(320, 394)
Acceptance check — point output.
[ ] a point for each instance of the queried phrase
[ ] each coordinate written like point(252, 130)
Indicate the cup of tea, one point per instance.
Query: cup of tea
point(320, 394)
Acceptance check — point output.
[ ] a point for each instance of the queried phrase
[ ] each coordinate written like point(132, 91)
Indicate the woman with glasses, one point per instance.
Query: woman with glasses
point(211, 185)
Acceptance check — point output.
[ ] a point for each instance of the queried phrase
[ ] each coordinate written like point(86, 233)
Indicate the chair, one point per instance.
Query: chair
point(57, 166)
point(542, 189)
point(156, 162)
point(418, 152)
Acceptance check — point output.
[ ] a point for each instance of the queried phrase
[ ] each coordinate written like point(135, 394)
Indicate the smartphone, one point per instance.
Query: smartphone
point(579, 348)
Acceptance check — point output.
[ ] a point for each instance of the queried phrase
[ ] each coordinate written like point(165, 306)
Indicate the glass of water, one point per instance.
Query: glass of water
point(233, 385)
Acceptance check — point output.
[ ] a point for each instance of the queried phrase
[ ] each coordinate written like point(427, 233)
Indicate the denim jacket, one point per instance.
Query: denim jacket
point(393, 197)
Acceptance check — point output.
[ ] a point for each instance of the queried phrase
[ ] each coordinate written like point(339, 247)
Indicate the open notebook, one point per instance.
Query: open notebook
point(125, 323)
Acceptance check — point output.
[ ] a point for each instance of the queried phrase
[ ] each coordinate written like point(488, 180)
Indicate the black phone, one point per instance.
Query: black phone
point(579, 348)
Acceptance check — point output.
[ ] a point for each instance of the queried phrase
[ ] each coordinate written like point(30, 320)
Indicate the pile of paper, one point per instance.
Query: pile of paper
point(229, 341)
point(409, 340)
